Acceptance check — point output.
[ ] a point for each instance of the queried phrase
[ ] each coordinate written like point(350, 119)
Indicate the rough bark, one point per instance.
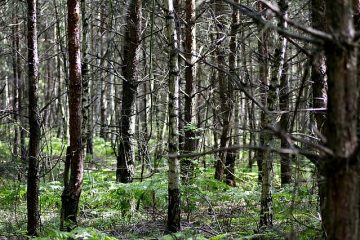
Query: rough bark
point(71, 194)
point(173, 218)
point(341, 169)
point(34, 123)
point(125, 159)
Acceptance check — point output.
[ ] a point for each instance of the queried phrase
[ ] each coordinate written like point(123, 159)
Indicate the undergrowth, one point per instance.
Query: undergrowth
point(210, 209)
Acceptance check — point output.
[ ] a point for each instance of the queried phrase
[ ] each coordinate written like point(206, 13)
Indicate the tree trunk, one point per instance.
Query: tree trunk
point(173, 220)
point(187, 166)
point(125, 159)
point(263, 78)
point(85, 101)
point(71, 194)
point(340, 169)
point(280, 73)
point(268, 100)
point(225, 98)
point(34, 123)
point(318, 77)
point(228, 101)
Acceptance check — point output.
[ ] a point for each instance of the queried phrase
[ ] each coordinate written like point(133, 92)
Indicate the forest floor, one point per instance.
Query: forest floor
point(210, 209)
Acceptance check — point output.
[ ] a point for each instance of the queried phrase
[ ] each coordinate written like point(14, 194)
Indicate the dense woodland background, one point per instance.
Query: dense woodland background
point(151, 119)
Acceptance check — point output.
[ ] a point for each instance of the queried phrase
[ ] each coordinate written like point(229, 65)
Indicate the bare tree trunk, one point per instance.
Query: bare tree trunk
point(125, 159)
point(263, 78)
point(229, 104)
point(85, 111)
point(225, 99)
point(280, 75)
point(16, 87)
point(173, 220)
point(64, 114)
point(72, 191)
point(33, 222)
point(187, 166)
point(268, 100)
point(341, 168)
point(319, 87)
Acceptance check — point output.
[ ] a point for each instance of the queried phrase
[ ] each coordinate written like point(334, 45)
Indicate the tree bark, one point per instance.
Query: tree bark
point(341, 169)
point(173, 218)
point(125, 159)
point(187, 166)
point(225, 99)
point(280, 73)
point(229, 104)
point(268, 100)
point(34, 123)
point(71, 194)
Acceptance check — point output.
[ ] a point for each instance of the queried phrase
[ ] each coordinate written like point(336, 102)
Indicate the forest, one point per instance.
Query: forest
point(170, 119)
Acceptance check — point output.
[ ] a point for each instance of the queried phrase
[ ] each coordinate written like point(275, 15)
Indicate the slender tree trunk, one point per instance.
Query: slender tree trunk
point(268, 100)
point(280, 75)
point(187, 166)
point(319, 87)
point(72, 191)
point(85, 79)
point(33, 222)
point(16, 88)
point(125, 159)
point(228, 101)
point(341, 169)
point(60, 39)
point(225, 98)
point(263, 78)
point(173, 220)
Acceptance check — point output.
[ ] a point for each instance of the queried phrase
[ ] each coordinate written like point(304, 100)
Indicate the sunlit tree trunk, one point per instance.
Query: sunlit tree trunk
point(33, 222)
point(72, 190)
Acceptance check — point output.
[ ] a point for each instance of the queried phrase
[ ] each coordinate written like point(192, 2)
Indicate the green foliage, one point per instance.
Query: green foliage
point(5, 153)
point(54, 147)
point(77, 233)
point(103, 148)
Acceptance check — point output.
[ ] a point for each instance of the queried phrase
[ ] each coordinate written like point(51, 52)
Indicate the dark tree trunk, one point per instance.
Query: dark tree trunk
point(281, 70)
point(341, 168)
point(125, 159)
point(263, 78)
point(187, 166)
point(229, 105)
point(224, 92)
point(318, 77)
point(34, 123)
point(86, 138)
point(268, 99)
point(71, 194)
